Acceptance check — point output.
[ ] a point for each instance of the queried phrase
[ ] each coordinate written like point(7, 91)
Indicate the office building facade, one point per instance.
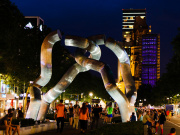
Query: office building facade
point(34, 21)
point(134, 32)
point(151, 59)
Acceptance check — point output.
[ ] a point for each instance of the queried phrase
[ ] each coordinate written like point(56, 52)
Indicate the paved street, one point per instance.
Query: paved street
point(68, 130)
point(175, 122)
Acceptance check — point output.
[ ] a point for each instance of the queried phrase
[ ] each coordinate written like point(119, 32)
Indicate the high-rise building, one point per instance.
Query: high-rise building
point(34, 21)
point(128, 25)
point(151, 58)
point(134, 32)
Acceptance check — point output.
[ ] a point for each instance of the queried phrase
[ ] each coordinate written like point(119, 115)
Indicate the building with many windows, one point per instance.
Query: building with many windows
point(128, 25)
point(134, 32)
point(151, 59)
point(34, 21)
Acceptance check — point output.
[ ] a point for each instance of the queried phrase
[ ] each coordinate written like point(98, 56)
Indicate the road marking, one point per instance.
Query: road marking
point(173, 123)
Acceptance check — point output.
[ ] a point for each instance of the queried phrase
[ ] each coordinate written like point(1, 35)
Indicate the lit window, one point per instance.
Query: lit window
point(29, 25)
point(131, 18)
point(131, 26)
point(142, 17)
point(125, 20)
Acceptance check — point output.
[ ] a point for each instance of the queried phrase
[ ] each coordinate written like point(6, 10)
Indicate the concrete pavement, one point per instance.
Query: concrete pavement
point(68, 130)
point(173, 123)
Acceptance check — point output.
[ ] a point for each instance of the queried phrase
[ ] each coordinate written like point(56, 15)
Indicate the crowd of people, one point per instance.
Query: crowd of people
point(152, 118)
point(5, 122)
point(77, 114)
point(90, 115)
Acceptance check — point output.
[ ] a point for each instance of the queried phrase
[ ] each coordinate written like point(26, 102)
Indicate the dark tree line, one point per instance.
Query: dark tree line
point(20, 55)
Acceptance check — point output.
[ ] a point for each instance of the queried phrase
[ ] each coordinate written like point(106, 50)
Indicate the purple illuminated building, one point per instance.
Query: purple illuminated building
point(150, 58)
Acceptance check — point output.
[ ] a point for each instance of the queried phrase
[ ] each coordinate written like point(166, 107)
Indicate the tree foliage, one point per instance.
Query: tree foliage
point(20, 48)
point(20, 55)
point(168, 85)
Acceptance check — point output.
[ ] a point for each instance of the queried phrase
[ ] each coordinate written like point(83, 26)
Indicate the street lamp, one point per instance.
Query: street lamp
point(90, 94)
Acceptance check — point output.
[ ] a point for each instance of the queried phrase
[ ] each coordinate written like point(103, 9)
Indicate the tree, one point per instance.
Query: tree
point(168, 85)
point(20, 48)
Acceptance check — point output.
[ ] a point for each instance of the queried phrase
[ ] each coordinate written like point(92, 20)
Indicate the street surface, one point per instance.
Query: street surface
point(68, 130)
point(173, 123)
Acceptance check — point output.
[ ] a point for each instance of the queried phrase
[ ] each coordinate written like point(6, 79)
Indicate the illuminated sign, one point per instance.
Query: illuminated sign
point(66, 101)
point(3, 86)
point(95, 100)
point(3, 95)
point(40, 27)
point(29, 25)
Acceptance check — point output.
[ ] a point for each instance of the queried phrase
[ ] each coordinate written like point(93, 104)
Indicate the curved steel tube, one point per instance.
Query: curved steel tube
point(46, 57)
point(126, 106)
point(123, 58)
point(69, 76)
point(125, 102)
point(46, 72)
point(109, 83)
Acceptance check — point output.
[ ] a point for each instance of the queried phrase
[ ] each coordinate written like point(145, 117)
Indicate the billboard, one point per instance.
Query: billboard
point(95, 101)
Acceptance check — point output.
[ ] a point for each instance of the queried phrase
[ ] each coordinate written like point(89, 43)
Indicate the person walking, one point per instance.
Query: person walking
point(96, 111)
point(148, 122)
point(110, 111)
point(20, 114)
point(89, 108)
point(170, 114)
point(161, 121)
point(133, 117)
point(14, 113)
point(76, 116)
point(106, 115)
point(140, 117)
point(167, 114)
point(61, 114)
point(100, 109)
point(70, 114)
point(172, 131)
point(83, 117)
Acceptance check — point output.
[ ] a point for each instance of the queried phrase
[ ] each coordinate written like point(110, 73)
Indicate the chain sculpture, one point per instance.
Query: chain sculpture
point(38, 107)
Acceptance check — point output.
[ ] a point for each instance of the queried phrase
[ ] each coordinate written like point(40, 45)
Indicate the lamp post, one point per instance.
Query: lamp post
point(171, 99)
point(168, 100)
point(144, 101)
point(23, 98)
point(91, 96)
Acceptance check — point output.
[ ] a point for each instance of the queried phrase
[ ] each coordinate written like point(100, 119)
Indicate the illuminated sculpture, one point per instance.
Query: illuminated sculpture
point(38, 107)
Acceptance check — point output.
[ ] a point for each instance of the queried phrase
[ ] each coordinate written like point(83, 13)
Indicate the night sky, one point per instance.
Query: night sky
point(91, 17)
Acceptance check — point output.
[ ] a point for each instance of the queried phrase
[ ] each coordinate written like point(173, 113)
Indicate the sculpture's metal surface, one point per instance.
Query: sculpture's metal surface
point(45, 76)
point(125, 101)
point(69, 76)
point(124, 104)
